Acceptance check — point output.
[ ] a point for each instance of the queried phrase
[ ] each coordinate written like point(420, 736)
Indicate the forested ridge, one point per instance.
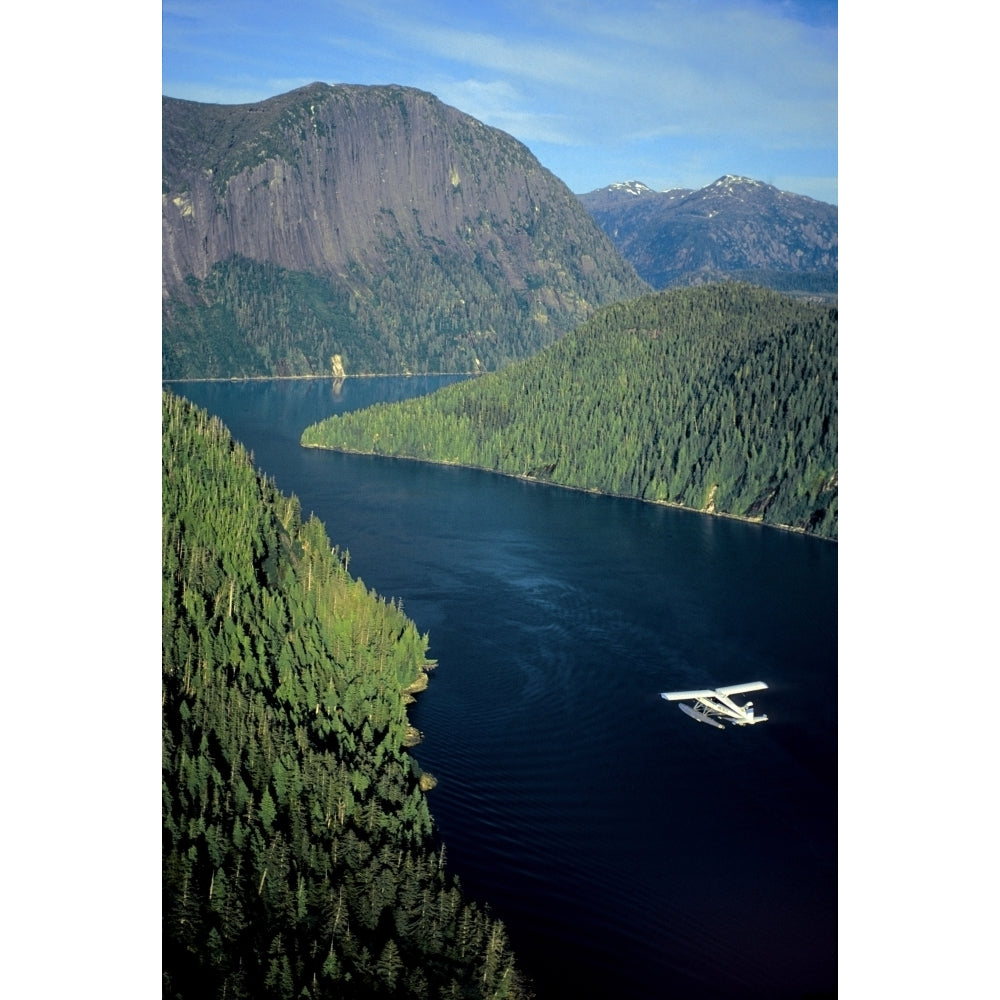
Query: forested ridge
point(300, 858)
point(721, 398)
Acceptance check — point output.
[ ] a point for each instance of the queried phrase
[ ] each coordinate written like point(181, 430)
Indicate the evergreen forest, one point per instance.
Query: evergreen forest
point(250, 318)
point(720, 398)
point(300, 858)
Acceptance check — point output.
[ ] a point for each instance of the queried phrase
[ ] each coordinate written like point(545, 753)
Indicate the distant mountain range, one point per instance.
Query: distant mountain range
point(733, 229)
point(372, 223)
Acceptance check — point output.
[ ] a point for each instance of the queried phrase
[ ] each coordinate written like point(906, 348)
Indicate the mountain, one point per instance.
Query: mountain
point(733, 229)
point(371, 222)
point(721, 398)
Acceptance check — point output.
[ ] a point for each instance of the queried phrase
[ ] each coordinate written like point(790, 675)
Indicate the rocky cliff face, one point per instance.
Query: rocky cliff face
point(735, 227)
point(367, 185)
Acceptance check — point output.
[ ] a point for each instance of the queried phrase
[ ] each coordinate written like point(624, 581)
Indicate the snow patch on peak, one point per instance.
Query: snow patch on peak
point(729, 181)
point(635, 188)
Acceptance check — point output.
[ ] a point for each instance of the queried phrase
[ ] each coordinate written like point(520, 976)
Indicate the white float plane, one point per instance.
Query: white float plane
point(714, 705)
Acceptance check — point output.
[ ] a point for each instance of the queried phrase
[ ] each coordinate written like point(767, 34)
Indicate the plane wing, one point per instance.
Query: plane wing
point(706, 693)
point(740, 688)
point(686, 695)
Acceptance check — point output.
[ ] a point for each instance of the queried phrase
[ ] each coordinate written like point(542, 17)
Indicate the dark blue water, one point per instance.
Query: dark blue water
point(631, 852)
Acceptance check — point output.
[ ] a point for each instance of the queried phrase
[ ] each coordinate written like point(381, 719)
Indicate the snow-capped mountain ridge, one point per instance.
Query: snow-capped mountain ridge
point(733, 184)
point(636, 188)
point(734, 228)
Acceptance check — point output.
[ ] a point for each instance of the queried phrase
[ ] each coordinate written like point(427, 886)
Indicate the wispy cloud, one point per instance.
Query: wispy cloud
point(580, 80)
point(705, 67)
point(498, 104)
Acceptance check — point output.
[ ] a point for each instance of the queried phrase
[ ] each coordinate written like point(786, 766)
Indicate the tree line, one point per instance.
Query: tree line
point(300, 857)
point(719, 398)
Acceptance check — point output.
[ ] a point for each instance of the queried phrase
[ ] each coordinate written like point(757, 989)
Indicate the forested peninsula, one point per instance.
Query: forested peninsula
point(720, 398)
point(300, 858)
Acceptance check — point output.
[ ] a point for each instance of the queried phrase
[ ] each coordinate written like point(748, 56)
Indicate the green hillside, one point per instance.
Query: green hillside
point(721, 398)
point(299, 855)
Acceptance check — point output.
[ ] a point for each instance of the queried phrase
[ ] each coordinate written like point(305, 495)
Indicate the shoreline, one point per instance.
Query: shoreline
point(580, 489)
point(510, 475)
point(332, 378)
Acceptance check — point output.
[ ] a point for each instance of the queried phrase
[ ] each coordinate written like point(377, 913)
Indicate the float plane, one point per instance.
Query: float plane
point(711, 706)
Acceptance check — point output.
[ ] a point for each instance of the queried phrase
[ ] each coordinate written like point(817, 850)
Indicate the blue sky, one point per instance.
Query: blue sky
point(673, 93)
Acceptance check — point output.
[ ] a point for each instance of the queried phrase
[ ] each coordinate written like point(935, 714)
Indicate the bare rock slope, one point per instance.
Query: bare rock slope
point(382, 224)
